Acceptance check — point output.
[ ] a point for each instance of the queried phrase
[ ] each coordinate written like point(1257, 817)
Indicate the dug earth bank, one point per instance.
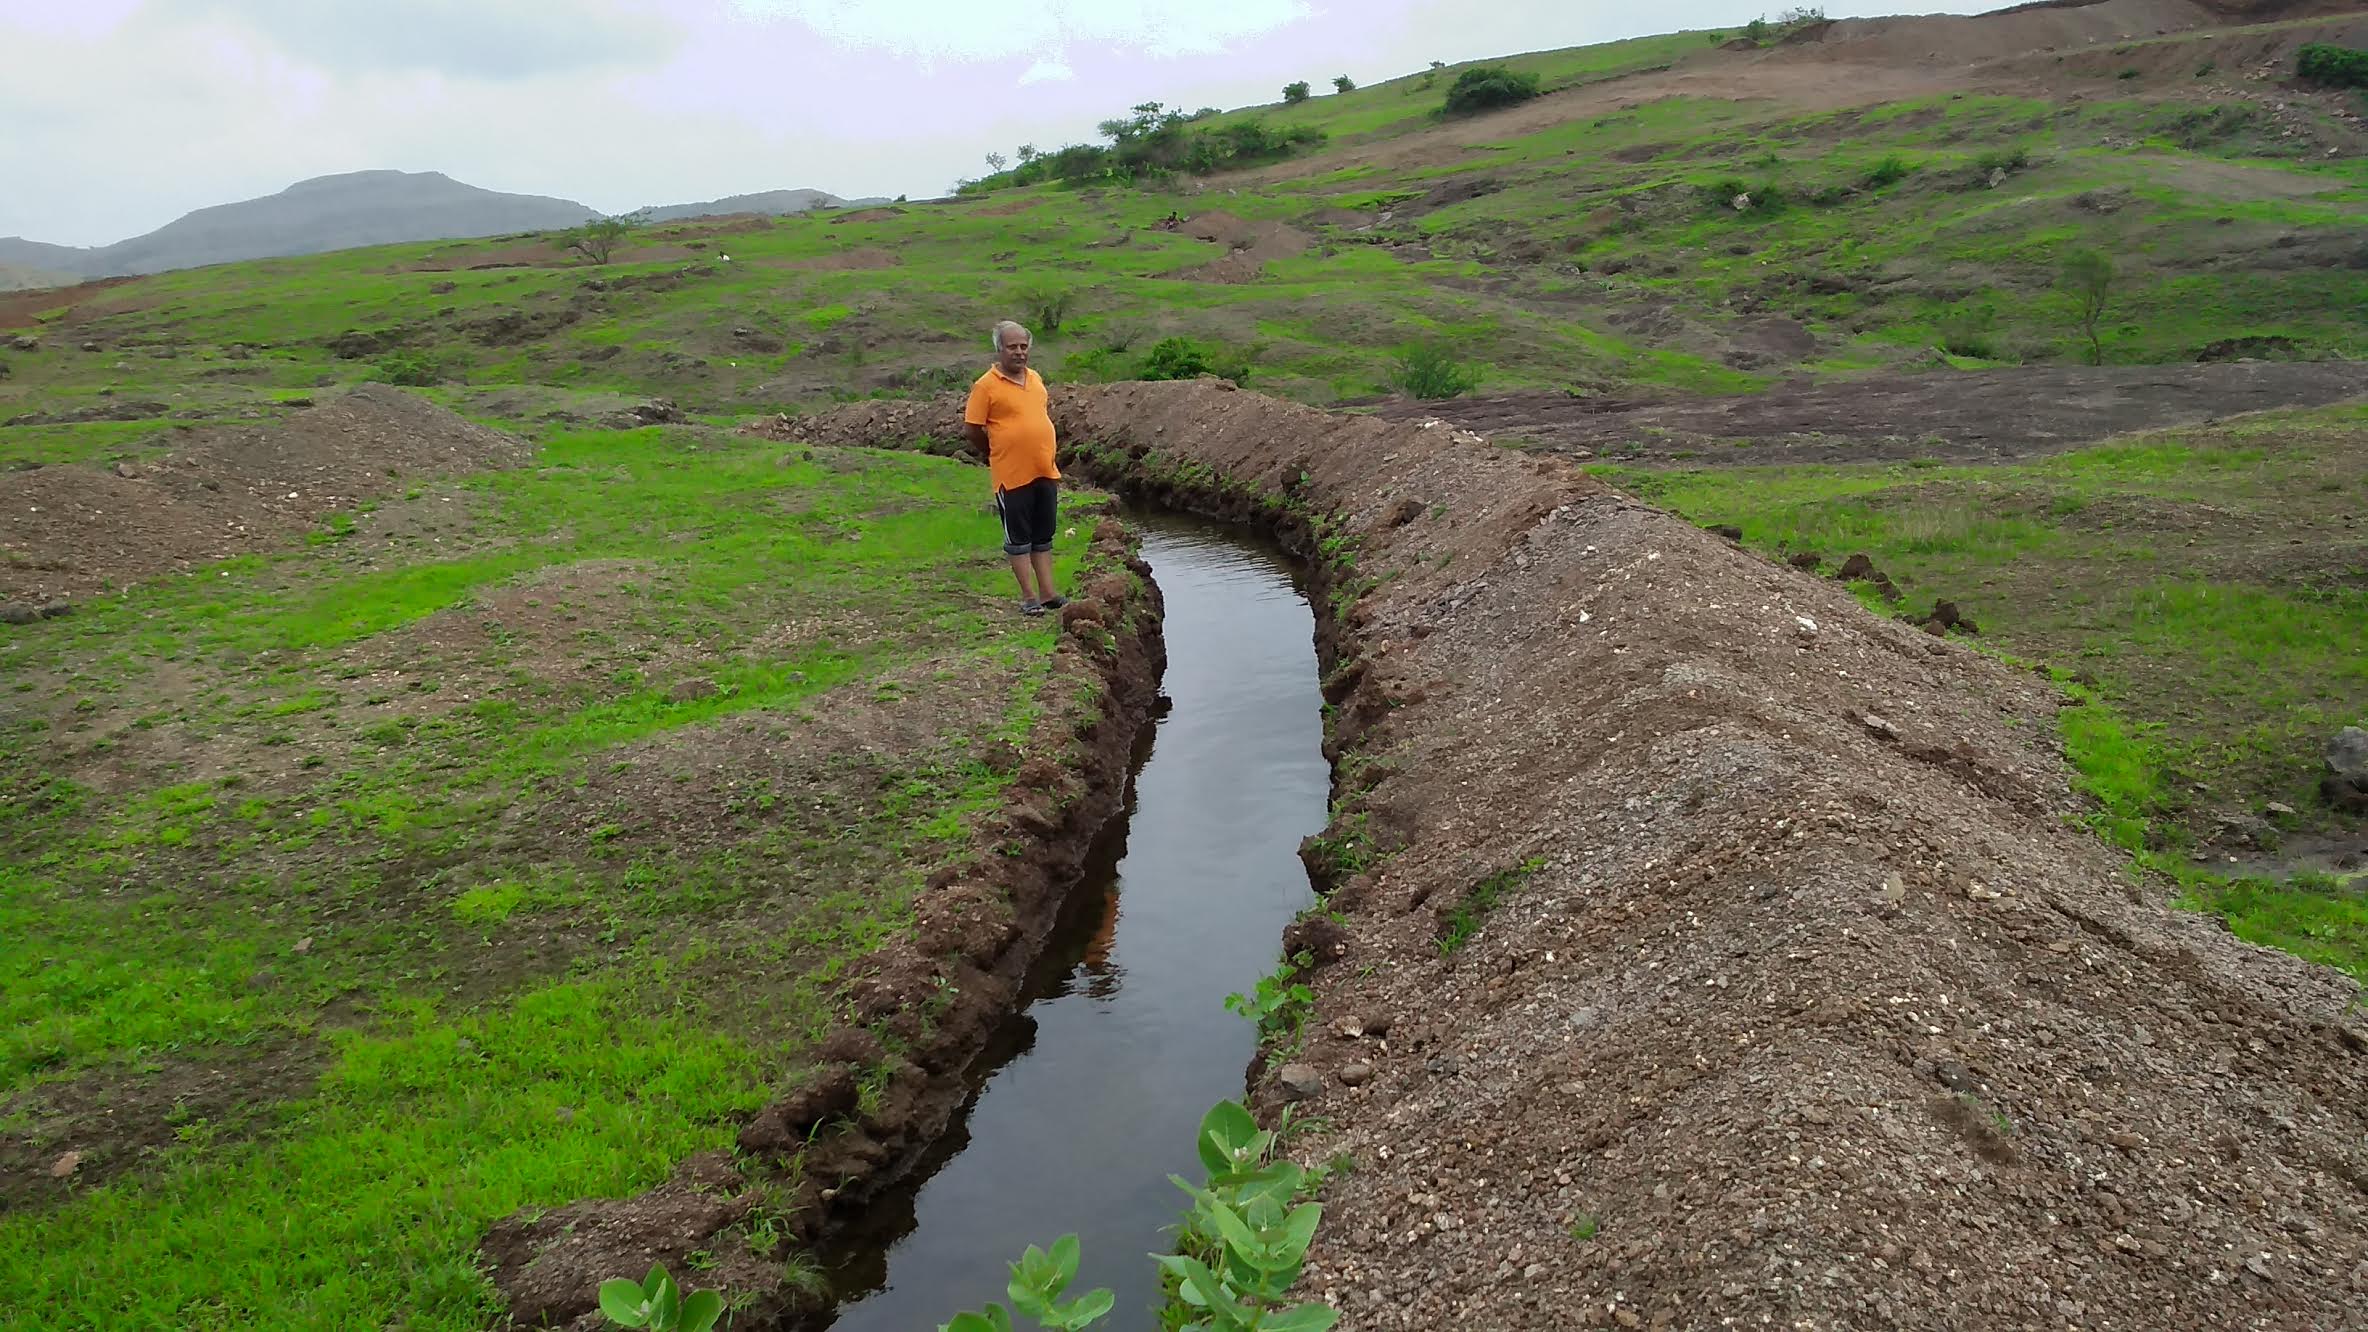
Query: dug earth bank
point(1716, 953)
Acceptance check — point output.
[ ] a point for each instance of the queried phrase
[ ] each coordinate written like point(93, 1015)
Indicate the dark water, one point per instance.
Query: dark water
point(1092, 1095)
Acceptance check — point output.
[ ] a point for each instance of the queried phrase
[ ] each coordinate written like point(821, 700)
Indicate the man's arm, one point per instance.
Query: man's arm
point(977, 435)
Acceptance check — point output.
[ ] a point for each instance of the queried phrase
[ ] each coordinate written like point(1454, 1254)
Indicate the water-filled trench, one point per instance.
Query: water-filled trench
point(1090, 1095)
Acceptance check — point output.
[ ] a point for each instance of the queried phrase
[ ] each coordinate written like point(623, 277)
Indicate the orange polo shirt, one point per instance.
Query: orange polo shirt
point(1018, 419)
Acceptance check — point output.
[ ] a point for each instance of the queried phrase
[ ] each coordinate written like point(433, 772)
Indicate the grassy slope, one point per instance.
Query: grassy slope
point(1593, 253)
point(449, 835)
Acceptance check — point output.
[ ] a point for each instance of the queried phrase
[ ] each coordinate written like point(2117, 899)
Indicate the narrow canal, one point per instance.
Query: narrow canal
point(1091, 1095)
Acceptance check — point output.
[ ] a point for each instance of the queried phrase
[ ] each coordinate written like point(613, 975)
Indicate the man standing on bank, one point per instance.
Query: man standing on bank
point(1009, 421)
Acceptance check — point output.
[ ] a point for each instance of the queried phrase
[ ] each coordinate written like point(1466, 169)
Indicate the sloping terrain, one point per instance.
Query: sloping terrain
point(1712, 951)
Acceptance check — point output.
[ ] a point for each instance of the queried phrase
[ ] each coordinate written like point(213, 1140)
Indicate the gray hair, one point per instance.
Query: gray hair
point(1005, 325)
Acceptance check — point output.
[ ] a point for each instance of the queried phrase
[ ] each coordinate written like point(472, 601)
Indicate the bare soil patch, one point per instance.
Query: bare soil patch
point(1248, 246)
point(868, 215)
point(1963, 416)
point(1809, 1000)
point(70, 530)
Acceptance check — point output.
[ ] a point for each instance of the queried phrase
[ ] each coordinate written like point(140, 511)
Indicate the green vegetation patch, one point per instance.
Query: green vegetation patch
point(501, 850)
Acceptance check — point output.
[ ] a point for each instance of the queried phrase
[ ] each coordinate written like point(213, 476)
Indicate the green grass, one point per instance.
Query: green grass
point(2157, 565)
point(424, 858)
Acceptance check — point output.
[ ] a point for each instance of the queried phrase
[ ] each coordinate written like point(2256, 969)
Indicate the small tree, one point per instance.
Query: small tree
point(2087, 277)
point(997, 161)
point(1344, 84)
point(1046, 304)
point(598, 239)
point(1028, 153)
point(1429, 371)
point(1294, 93)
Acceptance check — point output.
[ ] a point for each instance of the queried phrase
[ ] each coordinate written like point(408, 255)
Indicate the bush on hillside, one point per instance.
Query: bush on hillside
point(410, 370)
point(1151, 142)
point(2335, 66)
point(1044, 306)
point(1427, 370)
point(1344, 84)
point(1722, 196)
point(1189, 358)
point(1487, 87)
point(1890, 171)
point(1295, 93)
point(1969, 331)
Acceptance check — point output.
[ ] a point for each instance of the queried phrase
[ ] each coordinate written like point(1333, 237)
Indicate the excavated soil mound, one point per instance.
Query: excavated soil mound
point(1979, 416)
point(1741, 961)
point(1248, 246)
point(70, 530)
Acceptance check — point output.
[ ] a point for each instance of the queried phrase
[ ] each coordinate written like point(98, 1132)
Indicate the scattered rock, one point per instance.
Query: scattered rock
point(1880, 726)
point(90, 346)
point(657, 411)
point(56, 610)
point(1355, 1075)
point(1729, 531)
point(1806, 559)
point(25, 342)
point(65, 1165)
point(1377, 1025)
point(127, 471)
point(443, 288)
point(1299, 1081)
point(691, 690)
point(2346, 784)
point(2347, 754)
point(17, 612)
point(1858, 566)
point(1446, 1066)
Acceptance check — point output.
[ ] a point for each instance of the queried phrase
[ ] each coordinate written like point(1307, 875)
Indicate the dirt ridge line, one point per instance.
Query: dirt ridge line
point(886, 1083)
point(1799, 995)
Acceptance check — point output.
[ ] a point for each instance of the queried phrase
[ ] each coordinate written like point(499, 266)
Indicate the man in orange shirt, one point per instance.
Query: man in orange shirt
point(1010, 422)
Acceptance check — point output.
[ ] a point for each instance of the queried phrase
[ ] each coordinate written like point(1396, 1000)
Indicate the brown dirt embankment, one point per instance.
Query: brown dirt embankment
point(1794, 994)
point(887, 1082)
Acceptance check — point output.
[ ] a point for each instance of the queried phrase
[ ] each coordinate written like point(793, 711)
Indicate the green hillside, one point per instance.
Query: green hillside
point(370, 876)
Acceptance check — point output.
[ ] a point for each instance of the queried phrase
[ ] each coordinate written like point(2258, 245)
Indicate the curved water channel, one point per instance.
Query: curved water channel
point(1092, 1092)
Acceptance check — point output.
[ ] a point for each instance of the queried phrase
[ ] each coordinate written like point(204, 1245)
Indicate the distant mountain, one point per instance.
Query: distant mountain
point(309, 217)
point(20, 277)
point(345, 211)
point(771, 203)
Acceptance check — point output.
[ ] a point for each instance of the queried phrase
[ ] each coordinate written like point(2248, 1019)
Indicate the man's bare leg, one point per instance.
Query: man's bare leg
point(1021, 567)
point(1043, 562)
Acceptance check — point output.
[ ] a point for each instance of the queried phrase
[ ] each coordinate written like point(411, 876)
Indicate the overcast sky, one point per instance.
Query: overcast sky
point(122, 115)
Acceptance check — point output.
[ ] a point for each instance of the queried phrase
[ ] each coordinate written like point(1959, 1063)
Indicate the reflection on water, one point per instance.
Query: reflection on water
point(1088, 1098)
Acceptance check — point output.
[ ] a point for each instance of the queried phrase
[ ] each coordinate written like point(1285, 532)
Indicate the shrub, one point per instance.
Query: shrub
point(1720, 195)
point(2335, 66)
point(1428, 371)
point(2129, 73)
point(1757, 30)
point(410, 369)
point(2008, 160)
point(1344, 84)
point(1487, 87)
point(1968, 330)
point(1890, 171)
point(2087, 277)
point(1046, 305)
point(1188, 358)
point(1294, 93)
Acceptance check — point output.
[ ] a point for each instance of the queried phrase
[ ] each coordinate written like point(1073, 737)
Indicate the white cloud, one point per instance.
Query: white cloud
point(936, 30)
point(120, 120)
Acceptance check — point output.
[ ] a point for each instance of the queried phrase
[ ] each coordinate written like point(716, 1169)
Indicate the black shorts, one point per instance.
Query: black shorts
point(1030, 514)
